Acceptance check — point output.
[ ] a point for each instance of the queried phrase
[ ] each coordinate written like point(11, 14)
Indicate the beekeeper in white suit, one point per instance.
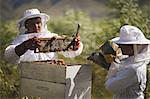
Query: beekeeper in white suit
point(127, 79)
point(32, 26)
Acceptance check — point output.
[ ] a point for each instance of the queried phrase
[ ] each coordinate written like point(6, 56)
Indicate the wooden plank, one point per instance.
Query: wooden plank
point(78, 84)
point(84, 73)
point(55, 73)
point(45, 72)
point(46, 90)
point(80, 91)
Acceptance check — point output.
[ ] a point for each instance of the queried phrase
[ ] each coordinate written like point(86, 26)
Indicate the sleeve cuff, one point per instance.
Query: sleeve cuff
point(10, 55)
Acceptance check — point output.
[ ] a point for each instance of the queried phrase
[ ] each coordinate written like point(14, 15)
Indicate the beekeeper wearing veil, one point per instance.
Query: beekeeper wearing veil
point(32, 26)
point(127, 78)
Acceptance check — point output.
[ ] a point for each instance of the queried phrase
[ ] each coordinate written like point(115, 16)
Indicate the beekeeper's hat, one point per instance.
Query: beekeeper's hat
point(131, 35)
point(31, 13)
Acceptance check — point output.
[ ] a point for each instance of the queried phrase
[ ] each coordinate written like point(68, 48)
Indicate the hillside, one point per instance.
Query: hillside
point(13, 9)
point(95, 8)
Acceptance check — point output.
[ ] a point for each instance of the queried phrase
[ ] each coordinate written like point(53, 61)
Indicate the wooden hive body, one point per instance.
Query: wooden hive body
point(55, 81)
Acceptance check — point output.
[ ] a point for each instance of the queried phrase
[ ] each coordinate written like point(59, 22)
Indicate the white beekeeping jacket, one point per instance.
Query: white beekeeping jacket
point(12, 57)
point(128, 79)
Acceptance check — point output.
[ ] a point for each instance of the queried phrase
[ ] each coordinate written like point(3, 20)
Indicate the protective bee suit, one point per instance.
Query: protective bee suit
point(29, 55)
point(127, 78)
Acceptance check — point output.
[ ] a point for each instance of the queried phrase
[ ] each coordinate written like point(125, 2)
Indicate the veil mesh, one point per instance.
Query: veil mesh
point(23, 30)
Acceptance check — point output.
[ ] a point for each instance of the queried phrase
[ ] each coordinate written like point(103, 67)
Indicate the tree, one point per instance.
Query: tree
point(8, 72)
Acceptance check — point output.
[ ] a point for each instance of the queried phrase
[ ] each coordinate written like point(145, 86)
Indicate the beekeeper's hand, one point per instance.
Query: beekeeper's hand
point(76, 42)
point(118, 52)
point(31, 44)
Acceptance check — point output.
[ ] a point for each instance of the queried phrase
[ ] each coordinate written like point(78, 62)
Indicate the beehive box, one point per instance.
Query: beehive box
point(55, 81)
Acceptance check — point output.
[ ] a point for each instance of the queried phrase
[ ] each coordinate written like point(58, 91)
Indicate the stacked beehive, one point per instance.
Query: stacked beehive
point(50, 81)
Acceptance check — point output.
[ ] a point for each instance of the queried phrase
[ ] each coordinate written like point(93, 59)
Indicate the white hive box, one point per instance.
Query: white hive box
point(55, 81)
